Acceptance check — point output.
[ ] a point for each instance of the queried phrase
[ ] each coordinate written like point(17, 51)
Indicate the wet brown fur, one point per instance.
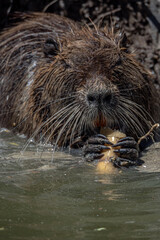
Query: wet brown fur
point(48, 65)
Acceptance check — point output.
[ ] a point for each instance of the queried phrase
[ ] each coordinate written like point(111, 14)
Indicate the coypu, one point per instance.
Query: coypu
point(62, 81)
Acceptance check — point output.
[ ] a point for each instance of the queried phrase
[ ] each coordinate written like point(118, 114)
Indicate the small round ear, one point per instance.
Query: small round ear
point(51, 48)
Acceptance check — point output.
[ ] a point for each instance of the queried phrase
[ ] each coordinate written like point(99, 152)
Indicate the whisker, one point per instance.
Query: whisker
point(43, 124)
point(59, 121)
point(75, 126)
point(134, 115)
point(64, 126)
point(70, 126)
point(137, 109)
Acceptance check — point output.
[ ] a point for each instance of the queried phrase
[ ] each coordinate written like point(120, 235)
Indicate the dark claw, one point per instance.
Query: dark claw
point(94, 148)
point(128, 144)
point(93, 156)
point(123, 162)
point(130, 153)
point(101, 136)
point(126, 138)
point(99, 140)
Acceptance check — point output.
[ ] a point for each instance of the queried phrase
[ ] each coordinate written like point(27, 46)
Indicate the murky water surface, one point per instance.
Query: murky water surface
point(59, 197)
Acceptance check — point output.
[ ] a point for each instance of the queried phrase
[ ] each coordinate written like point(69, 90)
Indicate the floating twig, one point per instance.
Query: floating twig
point(156, 125)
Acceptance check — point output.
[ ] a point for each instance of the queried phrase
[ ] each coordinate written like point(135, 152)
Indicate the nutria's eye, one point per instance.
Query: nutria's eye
point(51, 47)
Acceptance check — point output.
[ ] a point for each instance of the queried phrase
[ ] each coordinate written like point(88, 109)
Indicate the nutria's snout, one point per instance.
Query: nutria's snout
point(103, 99)
point(100, 100)
point(102, 105)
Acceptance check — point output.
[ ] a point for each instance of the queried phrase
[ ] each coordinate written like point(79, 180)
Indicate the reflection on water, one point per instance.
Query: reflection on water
point(61, 197)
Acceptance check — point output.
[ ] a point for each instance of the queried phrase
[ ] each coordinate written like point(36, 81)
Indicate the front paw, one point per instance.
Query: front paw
point(94, 147)
point(127, 152)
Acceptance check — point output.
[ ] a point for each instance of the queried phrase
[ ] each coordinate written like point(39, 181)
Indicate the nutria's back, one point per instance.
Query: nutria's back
point(60, 80)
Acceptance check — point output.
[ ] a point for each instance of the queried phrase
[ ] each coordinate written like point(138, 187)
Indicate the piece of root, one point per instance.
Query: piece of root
point(105, 164)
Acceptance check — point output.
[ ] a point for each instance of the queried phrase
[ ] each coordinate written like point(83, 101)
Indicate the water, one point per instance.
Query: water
point(68, 199)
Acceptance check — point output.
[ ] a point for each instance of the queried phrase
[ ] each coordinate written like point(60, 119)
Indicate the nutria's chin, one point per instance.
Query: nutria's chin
point(60, 80)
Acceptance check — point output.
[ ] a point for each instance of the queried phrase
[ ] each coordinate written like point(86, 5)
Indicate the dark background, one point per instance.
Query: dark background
point(139, 19)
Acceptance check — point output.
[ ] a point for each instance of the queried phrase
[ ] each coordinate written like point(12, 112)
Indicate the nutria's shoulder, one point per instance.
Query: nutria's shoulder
point(61, 80)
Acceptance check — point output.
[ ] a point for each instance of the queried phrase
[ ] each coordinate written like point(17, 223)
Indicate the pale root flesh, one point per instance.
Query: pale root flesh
point(105, 165)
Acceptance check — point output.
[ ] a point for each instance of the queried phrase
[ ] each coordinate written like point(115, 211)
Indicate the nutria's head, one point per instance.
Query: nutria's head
point(90, 81)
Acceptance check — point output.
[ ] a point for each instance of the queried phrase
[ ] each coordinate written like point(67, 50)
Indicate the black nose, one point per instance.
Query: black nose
point(96, 99)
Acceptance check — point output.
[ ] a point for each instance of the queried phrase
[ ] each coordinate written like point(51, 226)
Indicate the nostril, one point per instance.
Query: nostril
point(92, 98)
point(107, 98)
point(110, 99)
